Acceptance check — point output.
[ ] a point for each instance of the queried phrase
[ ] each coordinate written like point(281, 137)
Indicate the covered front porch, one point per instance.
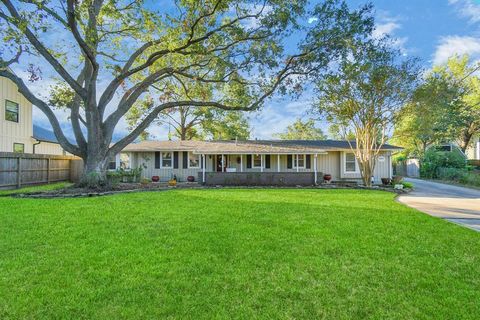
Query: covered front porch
point(260, 169)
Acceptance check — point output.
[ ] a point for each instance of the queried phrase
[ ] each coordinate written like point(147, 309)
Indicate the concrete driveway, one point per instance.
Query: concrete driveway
point(456, 204)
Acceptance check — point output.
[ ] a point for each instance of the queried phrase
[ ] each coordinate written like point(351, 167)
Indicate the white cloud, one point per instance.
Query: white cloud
point(467, 8)
point(386, 28)
point(386, 25)
point(276, 116)
point(459, 45)
point(312, 19)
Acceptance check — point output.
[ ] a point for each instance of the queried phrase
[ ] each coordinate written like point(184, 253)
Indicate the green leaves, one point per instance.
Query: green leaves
point(302, 130)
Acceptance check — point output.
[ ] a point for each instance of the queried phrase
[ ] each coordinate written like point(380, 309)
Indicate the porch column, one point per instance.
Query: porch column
point(204, 165)
point(241, 163)
point(278, 162)
point(315, 167)
point(261, 162)
point(223, 163)
point(297, 161)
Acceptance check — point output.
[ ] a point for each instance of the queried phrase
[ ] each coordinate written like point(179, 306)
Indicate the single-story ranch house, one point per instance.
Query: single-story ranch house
point(255, 162)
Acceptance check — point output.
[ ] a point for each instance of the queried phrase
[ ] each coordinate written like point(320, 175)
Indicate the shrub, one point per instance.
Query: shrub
point(463, 176)
point(407, 185)
point(434, 160)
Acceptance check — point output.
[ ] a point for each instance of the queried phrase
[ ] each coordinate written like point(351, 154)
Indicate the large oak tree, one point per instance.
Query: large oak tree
point(109, 54)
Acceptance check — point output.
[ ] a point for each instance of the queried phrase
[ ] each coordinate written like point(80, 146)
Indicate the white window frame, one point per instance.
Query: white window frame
point(294, 161)
point(19, 144)
point(345, 163)
point(161, 160)
point(17, 105)
point(253, 161)
point(199, 158)
point(123, 163)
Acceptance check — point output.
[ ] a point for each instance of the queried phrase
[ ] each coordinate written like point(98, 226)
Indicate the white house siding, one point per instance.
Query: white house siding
point(15, 132)
point(383, 169)
point(146, 160)
point(49, 148)
point(331, 163)
point(473, 151)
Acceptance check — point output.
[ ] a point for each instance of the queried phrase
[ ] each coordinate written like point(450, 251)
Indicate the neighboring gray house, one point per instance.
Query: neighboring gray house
point(267, 162)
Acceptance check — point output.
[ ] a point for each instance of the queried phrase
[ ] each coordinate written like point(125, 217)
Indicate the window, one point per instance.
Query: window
point(166, 159)
point(124, 161)
point(112, 165)
point(18, 148)
point(193, 160)
point(257, 161)
point(350, 163)
point(301, 161)
point(11, 111)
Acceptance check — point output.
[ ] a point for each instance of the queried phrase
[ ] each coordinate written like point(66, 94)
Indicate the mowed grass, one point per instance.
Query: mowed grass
point(232, 253)
point(39, 188)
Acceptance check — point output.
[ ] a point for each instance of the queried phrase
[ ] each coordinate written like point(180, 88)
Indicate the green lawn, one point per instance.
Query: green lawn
point(229, 253)
point(39, 188)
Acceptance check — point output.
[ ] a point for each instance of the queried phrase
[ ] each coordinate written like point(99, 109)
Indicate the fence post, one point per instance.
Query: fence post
point(48, 170)
point(19, 172)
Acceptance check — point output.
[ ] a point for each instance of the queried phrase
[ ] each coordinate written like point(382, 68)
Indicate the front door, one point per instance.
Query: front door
point(219, 163)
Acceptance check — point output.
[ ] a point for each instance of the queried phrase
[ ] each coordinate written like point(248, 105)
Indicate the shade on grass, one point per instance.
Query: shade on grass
point(193, 254)
point(39, 188)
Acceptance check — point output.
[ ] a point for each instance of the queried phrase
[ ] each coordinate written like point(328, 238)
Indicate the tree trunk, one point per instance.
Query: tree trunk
point(365, 170)
point(95, 169)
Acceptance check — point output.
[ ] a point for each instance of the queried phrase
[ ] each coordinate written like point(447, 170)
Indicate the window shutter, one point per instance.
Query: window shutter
point(175, 160)
point(185, 160)
point(157, 160)
point(289, 161)
point(249, 161)
point(267, 161)
point(308, 163)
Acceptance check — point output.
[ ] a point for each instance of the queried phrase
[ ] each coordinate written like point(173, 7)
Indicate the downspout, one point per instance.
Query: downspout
point(36, 144)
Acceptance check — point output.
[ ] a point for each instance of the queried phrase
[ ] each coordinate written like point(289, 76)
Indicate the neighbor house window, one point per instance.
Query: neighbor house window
point(350, 163)
point(18, 148)
point(193, 160)
point(11, 111)
point(301, 161)
point(166, 159)
point(256, 161)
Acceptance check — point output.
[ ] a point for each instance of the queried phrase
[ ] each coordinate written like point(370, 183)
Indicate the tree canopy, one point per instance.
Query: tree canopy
point(364, 95)
point(110, 55)
point(302, 130)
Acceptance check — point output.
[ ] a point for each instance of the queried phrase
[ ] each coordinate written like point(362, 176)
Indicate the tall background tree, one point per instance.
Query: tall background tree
point(302, 130)
point(363, 96)
point(445, 108)
point(109, 55)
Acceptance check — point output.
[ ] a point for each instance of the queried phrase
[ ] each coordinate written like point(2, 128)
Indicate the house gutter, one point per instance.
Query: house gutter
point(36, 144)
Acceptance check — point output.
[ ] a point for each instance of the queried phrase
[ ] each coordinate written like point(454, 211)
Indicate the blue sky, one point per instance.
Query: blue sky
point(432, 30)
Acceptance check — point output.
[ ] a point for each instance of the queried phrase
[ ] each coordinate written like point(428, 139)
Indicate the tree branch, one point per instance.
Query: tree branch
point(23, 89)
point(17, 19)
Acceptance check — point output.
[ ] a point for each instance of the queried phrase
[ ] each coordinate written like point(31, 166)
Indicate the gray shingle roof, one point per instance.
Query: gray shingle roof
point(246, 146)
point(43, 134)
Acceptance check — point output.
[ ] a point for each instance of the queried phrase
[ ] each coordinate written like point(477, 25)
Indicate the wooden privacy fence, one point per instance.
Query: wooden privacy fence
point(19, 169)
point(408, 168)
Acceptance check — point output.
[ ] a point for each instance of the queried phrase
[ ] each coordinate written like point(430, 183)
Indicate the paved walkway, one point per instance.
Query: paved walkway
point(456, 204)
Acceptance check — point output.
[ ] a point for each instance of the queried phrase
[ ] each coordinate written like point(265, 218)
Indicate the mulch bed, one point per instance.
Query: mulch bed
point(76, 192)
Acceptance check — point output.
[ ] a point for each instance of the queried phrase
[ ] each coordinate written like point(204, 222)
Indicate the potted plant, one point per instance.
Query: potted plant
point(386, 181)
point(327, 177)
point(191, 179)
point(173, 182)
point(155, 178)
